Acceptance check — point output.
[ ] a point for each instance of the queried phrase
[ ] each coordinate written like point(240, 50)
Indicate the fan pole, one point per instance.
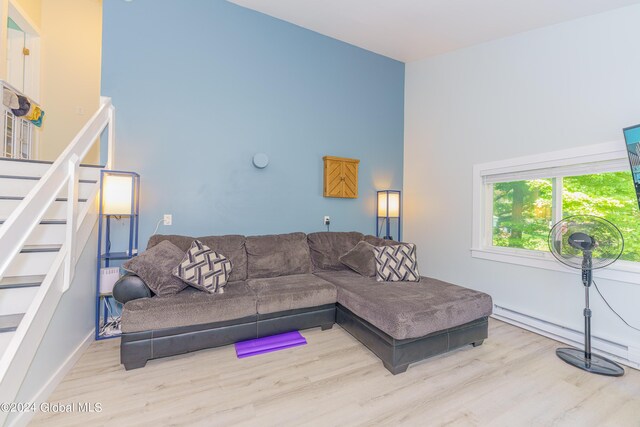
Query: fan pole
point(567, 238)
point(587, 264)
point(585, 360)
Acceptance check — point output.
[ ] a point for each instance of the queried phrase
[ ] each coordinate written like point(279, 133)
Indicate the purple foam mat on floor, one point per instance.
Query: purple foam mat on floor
point(269, 344)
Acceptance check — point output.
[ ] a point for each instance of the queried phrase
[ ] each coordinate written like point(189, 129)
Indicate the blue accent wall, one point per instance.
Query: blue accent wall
point(200, 86)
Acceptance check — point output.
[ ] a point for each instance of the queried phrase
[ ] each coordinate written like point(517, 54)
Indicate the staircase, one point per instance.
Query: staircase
point(47, 213)
point(25, 275)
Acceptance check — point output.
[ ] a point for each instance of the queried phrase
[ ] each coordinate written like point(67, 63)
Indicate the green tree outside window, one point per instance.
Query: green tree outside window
point(522, 210)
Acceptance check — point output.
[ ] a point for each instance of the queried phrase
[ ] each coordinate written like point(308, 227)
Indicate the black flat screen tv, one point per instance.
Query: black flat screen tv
point(632, 138)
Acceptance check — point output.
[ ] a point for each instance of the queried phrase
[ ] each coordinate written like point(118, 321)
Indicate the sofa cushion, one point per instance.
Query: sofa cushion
point(398, 263)
point(232, 246)
point(277, 255)
point(326, 248)
point(361, 259)
point(291, 292)
point(189, 307)
point(204, 269)
point(154, 266)
point(408, 309)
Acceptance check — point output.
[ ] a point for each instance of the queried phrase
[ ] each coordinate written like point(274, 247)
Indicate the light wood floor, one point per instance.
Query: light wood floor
point(514, 379)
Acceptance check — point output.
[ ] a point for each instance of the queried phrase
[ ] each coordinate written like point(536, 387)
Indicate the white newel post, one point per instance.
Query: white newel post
point(111, 137)
point(72, 217)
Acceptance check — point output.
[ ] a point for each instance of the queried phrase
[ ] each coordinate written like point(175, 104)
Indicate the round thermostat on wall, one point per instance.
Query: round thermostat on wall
point(260, 160)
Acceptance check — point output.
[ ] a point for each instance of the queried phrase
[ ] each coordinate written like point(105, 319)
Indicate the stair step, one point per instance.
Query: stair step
point(57, 210)
point(20, 198)
point(39, 168)
point(37, 178)
point(10, 322)
point(46, 221)
point(30, 178)
point(27, 249)
point(16, 300)
point(48, 232)
point(21, 282)
point(12, 186)
point(33, 260)
point(44, 162)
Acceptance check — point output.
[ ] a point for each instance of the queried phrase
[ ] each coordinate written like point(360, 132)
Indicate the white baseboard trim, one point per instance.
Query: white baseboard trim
point(23, 418)
point(621, 353)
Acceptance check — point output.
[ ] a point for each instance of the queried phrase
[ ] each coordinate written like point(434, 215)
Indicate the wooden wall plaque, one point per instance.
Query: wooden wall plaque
point(340, 177)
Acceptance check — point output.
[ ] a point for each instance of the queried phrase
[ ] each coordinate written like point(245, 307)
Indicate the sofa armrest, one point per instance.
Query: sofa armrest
point(130, 287)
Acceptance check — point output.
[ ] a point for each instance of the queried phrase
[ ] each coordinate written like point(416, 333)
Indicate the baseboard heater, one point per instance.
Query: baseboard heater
point(627, 355)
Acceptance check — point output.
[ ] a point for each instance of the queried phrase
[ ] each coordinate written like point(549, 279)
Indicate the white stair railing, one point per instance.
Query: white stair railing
point(15, 361)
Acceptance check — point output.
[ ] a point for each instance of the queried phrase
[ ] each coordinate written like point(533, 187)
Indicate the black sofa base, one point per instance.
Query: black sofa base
point(397, 355)
point(136, 348)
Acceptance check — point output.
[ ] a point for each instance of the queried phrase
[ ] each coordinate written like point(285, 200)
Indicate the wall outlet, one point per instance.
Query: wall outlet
point(326, 220)
point(168, 219)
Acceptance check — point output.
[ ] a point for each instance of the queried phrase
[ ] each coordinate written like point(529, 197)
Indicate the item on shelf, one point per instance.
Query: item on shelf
point(34, 112)
point(36, 116)
point(10, 99)
point(111, 324)
point(23, 108)
point(108, 277)
point(38, 120)
point(18, 135)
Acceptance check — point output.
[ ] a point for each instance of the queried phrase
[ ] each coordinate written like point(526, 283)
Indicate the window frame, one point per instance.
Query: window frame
point(612, 154)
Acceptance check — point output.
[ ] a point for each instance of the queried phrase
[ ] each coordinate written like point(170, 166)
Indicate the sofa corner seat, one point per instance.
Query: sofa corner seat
point(405, 322)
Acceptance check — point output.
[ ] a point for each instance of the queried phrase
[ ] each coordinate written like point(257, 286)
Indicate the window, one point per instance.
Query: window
point(611, 196)
point(516, 202)
point(522, 213)
point(522, 209)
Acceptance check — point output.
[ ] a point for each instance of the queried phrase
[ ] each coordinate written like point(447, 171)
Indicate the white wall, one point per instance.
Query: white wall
point(69, 333)
point(70, 72)
point(568, 85)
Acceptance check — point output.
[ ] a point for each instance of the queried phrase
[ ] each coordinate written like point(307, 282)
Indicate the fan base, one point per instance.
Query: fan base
point(596, 365)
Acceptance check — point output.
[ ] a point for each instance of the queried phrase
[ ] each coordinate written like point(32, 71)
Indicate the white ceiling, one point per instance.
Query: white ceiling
point(408, 30)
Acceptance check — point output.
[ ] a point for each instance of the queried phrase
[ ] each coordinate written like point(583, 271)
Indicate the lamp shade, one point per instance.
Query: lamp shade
point(391, 201)
point(117, 194)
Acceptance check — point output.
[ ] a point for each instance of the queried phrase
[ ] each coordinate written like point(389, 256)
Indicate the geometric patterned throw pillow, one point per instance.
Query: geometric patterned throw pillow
point(204, 269)
point(397, 263)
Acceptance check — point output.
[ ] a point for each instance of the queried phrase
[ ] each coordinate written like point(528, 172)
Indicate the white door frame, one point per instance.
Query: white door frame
point(11, 9)
point(32, 42)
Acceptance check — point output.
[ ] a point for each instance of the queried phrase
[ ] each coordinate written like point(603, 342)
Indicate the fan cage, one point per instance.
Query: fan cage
point(609, 241)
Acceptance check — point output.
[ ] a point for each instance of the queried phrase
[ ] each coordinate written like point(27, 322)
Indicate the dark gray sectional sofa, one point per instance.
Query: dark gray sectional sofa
point(295, 281)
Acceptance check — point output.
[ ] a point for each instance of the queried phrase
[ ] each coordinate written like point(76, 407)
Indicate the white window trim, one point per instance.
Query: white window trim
point(613, 152)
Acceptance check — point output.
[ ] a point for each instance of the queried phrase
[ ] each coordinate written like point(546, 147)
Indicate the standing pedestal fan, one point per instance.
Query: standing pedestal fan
point(587, 242)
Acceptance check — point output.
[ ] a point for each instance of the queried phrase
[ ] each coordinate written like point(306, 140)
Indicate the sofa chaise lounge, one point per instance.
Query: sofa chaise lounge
point(296, 281)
